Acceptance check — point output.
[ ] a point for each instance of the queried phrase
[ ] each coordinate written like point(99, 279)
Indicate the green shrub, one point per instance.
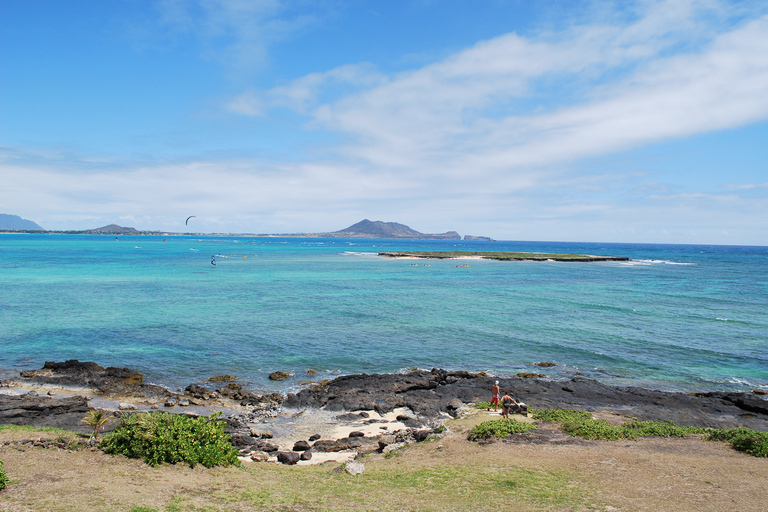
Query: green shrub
point(660, 429)
point(483, 405)
point(499, 428)
point(559, 415)
point(743, 439)
point(159, 438)
point(3, 477)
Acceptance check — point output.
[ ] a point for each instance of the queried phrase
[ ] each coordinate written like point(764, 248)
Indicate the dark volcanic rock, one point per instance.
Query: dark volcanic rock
point(288, 457)
point(301, 446)
point(110, 381)
point(44, 411)
point(428, 394)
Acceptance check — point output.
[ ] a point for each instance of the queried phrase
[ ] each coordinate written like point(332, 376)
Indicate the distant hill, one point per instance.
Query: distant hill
point(16, 223)
point(378, 229)
point(113, 229)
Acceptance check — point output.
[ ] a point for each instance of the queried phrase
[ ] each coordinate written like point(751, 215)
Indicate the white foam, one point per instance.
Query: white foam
point(359, 253)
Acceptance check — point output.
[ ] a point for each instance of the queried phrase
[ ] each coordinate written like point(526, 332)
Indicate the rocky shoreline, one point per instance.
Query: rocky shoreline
point(359, 412)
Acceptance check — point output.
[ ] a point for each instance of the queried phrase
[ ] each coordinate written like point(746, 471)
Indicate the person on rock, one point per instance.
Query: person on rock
point(495, 395)
point(506, 404)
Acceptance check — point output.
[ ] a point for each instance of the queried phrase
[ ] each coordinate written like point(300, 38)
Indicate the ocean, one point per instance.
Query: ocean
point(675, 317)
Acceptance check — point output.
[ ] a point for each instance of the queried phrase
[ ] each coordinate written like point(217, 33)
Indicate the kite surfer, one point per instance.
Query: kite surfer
point(213, 260)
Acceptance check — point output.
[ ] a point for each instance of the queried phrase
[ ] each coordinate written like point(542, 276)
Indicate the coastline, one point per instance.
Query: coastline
point(362, 408)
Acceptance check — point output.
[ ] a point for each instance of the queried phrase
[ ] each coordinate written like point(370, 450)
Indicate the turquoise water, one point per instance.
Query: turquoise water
point(675, 317)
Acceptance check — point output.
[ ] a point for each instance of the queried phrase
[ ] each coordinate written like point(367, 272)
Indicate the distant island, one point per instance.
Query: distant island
point(16, 223)
point(378, 229)
point(363, 229)
point(502, 256)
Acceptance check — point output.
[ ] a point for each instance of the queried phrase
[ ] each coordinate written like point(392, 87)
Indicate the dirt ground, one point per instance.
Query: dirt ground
point(646, 475)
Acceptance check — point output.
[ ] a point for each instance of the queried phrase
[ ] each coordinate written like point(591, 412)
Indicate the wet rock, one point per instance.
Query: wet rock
point(545, 364)
point(279, 375)
point(110, 381)
point(222, 378)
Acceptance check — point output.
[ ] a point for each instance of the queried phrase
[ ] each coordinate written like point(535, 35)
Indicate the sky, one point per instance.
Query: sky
point(565, 120)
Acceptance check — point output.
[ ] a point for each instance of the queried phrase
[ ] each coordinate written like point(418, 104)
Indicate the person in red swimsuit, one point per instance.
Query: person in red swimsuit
point(495, 395)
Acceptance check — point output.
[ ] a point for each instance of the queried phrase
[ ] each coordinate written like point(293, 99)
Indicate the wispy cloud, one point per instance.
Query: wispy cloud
point(237, 33)
point(497, 106)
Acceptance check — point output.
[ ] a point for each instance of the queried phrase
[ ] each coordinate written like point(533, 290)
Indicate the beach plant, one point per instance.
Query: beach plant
point(96, 419)
point(559, 415)
point(482, 405)
point(163, 438)
point(3, 477)
point(581, 424)
point(500, 428)
point(742, 439)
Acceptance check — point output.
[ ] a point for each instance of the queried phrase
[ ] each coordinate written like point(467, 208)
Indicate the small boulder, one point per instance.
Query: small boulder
point(545, 364)
point(127, 407)
point(279, 375)
point(356, 433)
point(301, 446)
point(307, 455)
point(222, 378)
point(530, 375)
point(259, 456)
point(355, 468)
point(386, 440)
point(314, 437)
point(392, 447)
point(289, 458)
point(455, 404)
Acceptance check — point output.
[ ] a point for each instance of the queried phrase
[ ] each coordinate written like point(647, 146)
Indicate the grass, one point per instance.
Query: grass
point(402, 486)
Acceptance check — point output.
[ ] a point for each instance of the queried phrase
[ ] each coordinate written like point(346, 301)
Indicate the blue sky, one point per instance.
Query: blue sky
point(573, 120)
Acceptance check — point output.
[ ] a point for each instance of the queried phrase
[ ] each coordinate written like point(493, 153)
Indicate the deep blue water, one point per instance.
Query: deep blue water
point(676, 317)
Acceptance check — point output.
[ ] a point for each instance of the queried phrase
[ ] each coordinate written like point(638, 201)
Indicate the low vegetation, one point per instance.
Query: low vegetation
point(743, 439)
point(3, 477)
point(162, 438)
point(96, 419)
point(581, 424)
point(499, 428)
